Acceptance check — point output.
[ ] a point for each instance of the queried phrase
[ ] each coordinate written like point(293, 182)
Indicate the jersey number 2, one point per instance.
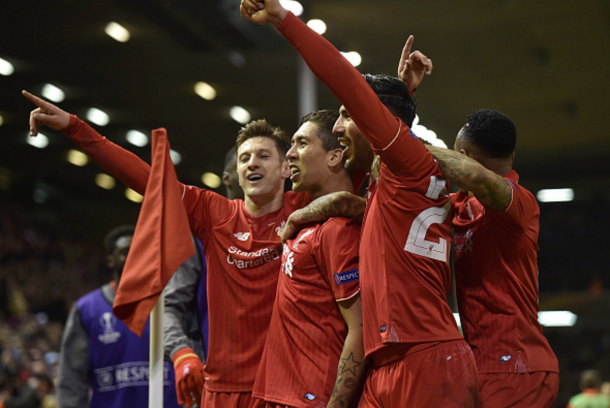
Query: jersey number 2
point(416, 241)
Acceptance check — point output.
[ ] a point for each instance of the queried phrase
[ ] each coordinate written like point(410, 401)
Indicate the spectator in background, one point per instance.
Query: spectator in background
point(102, 363)
point(590, 397)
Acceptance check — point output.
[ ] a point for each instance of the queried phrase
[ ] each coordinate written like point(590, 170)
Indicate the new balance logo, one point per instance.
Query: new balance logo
point(505, 358)
point(242, 236)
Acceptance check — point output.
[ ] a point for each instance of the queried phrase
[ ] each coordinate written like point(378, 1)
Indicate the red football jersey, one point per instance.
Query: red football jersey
point(496, 268)
point(307, 330)
point(243, 255)
point(404, 251)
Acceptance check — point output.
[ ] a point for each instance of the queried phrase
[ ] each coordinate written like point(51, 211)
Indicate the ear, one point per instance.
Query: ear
point(110, 261)
point(226, 179)
point(285, 169)
point(334, 159)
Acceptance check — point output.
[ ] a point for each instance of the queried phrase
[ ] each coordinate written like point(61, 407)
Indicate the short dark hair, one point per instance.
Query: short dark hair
point(394, 94)
point(262, 128)
point(590, 379)
point(492, 132)
point(114, 235)
point(325, 120)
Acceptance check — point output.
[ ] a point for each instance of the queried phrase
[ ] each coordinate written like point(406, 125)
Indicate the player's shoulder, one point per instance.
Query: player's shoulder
point(294, 201)
point(336, 228)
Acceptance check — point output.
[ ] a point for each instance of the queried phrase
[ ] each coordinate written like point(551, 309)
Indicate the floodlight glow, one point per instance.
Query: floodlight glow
point(97, 116)
point(211, 180)
point(294, 6)
point(53, 93)
point(1, 120)
point(175, 156)
point(353, 57)
point(40, 141)
point(205, 90)
point(137, 138)
point(133, 196)
point(105, 181)
point(117, 31)
point(77, 158)
point(317, 25)
point(561, 318)
point(240, 115)
point(6, 68)
point(556, 195)
point(427, 135)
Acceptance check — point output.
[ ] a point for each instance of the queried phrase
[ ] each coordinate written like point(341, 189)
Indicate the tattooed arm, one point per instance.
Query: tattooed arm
point(491, 189)
point(339, 204)
point(352, 367)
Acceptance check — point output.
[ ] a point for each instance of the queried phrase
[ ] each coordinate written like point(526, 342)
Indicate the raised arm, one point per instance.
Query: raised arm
point(373, 119)
point(412, 66)
point(121, 163)
point(339, 204)
point(491, 189)
point(352, 365)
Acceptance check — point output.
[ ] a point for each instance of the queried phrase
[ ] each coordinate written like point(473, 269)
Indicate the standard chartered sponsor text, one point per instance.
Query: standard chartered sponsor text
point(257, 258)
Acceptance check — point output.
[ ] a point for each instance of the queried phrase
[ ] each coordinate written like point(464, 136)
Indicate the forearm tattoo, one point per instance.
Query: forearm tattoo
point(349, 372)
point(341, 204)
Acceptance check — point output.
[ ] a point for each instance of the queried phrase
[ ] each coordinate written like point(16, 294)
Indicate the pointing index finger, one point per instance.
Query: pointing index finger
point(37, 101)
point(406, 51)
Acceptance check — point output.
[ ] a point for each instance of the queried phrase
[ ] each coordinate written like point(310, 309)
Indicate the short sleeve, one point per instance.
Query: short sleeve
point(336, 252)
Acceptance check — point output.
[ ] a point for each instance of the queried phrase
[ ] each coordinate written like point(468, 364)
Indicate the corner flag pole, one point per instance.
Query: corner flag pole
point(156, 367)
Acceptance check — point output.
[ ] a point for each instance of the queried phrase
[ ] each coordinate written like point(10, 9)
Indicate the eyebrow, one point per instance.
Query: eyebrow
point(299, 137)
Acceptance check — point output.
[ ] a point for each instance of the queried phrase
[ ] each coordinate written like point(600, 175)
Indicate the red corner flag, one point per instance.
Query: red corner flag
point(161, 243)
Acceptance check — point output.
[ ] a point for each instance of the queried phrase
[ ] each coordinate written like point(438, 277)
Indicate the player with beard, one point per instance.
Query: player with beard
point(418, 356)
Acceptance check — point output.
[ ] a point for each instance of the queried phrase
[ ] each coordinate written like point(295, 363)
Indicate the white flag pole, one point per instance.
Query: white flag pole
point(156, 367)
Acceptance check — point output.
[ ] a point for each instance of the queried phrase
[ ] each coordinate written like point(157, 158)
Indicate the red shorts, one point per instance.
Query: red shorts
point(532, 390)
point(211, 399)
point(274, 405)
point(444, 375)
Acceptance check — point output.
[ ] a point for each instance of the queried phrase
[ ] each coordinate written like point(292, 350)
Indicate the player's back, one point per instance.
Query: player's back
point(404, 252)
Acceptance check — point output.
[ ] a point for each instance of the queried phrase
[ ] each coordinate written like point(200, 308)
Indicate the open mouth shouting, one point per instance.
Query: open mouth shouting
point(253, 178)
point(295, 171)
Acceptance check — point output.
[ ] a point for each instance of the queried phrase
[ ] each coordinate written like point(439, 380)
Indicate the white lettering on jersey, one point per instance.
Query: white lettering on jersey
point(417, 242)
point(436, 188)
point(258, 258)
